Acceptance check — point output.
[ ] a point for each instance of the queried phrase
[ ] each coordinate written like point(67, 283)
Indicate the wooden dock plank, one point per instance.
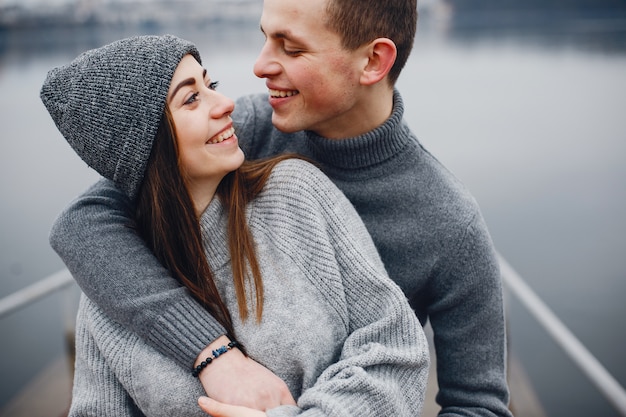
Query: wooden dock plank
point(48, 395)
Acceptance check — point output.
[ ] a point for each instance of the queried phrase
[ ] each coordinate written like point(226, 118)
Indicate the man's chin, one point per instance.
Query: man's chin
point(282, 125)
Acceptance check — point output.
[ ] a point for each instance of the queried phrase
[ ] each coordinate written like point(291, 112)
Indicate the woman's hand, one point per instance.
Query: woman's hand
point(218, 409)
point(238, 380)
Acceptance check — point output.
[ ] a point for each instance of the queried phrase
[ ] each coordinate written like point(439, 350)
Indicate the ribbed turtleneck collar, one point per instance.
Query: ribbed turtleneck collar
point(371, 148)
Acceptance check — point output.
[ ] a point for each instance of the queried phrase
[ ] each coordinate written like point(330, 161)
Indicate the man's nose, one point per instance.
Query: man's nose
point(266, 63)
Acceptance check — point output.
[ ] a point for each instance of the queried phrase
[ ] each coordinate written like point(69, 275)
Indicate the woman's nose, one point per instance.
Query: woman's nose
point(224, 106)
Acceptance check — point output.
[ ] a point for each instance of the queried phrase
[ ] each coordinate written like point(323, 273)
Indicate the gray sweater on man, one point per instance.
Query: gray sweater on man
point(335, 328)
point(426, 226)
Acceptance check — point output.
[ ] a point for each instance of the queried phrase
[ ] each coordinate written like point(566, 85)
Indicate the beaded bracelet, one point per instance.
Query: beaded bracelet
point(217, 352)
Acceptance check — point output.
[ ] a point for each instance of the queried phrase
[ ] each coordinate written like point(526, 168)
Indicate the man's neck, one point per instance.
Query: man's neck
point(372, 110)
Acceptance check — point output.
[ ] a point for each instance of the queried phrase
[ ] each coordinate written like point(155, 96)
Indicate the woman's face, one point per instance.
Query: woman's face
point(208, 148)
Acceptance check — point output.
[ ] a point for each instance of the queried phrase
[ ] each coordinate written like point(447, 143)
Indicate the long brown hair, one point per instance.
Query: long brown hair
point(167, 221)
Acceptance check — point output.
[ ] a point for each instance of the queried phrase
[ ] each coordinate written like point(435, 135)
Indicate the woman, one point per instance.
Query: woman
point(271, 248)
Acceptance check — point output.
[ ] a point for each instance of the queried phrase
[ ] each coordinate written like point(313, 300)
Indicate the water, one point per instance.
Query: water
point(529, 116)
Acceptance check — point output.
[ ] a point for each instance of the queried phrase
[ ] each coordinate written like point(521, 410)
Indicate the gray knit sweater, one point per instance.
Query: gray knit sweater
point(335, 328)
point(426, 226)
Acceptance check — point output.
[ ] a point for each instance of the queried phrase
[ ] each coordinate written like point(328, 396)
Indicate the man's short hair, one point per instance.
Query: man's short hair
point(361, 21)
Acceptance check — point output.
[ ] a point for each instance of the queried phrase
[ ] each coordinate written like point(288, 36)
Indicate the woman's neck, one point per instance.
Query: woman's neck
point(201, 195)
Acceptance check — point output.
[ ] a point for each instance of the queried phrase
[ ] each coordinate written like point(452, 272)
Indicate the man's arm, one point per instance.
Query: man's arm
point(95, 238)
point(469, 328)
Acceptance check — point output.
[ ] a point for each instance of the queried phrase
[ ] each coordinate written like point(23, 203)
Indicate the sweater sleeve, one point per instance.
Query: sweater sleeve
point(115, 269)
point(383, 366)
point(469, 328)
point(96, 390)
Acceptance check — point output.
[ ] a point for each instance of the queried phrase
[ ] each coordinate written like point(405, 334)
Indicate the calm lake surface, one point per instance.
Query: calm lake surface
point(530, 116)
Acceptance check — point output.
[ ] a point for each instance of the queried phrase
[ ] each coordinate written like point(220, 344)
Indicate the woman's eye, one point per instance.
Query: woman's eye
point(192, 98)
point(213, 85)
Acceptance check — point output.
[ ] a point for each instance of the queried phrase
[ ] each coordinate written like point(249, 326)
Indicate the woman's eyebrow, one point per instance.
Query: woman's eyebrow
point(183, 83)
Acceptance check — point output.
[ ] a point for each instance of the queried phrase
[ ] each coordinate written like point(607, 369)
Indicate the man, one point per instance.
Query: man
point(330, 68)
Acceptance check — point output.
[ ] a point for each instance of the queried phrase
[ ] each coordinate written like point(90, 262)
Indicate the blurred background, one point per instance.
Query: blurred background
point(523, 100)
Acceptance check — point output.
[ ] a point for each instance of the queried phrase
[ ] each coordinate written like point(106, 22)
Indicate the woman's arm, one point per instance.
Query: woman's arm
point(96, 389)
point(383, 365)
point(383, 368)
point(115, 269)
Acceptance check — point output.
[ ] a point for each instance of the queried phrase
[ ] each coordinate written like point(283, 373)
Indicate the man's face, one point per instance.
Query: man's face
point(313, 82)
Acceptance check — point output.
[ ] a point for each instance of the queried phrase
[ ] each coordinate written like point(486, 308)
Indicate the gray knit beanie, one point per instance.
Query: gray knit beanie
point(109, 101)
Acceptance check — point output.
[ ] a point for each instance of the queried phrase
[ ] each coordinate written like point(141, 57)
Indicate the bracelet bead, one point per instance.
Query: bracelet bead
point(216, 353)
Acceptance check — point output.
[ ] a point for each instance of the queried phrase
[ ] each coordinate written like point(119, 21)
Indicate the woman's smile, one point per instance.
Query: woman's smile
point(224, 135)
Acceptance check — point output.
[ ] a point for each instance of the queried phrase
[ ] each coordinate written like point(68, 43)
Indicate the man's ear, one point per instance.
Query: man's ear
point(381, 57)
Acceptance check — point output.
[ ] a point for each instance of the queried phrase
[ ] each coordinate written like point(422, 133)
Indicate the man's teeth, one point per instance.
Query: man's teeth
point(283, 93)
point(223, 136)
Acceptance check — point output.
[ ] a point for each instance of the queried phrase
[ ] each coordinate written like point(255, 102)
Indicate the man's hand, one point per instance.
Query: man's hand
point(238, 380)
point(218, 409)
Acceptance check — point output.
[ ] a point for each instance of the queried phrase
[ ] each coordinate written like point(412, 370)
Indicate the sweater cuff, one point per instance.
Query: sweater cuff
point(284, 411)
point(183, 331)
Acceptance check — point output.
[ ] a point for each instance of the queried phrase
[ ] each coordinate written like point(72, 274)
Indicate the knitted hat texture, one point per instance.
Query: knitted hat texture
point(109, 101)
